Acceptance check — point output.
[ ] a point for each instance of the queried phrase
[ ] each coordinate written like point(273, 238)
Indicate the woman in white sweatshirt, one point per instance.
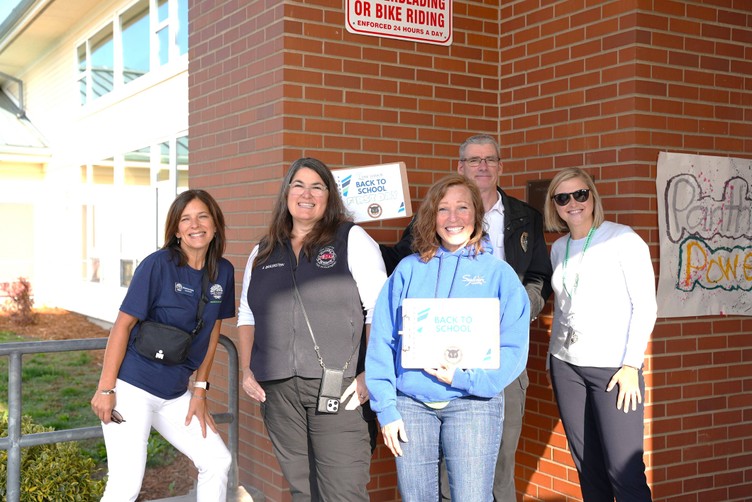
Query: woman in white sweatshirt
point(604, 312)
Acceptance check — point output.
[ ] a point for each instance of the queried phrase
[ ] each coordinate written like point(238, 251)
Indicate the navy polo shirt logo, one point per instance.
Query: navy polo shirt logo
point(216, 292)
point(182, 289)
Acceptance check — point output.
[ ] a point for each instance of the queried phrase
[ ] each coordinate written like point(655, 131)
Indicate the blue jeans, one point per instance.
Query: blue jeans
point(466, 432)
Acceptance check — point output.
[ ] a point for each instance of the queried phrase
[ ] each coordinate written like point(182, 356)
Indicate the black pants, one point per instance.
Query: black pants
point(605, 442)
point(324, 457)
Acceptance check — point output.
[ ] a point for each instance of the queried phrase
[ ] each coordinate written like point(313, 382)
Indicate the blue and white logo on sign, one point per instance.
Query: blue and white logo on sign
point(344, 185)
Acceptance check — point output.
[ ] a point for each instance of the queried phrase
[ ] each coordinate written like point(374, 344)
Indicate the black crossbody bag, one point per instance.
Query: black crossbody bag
point(167, 344)
point(330, 389)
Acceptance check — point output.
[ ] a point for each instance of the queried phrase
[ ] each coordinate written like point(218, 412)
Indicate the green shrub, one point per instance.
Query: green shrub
point(159, 452)
point(51, 472)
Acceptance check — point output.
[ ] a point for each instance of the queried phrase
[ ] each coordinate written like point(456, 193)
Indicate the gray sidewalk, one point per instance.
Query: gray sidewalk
point(241, 495)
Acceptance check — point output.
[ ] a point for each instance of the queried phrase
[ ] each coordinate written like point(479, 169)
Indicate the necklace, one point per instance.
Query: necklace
point(566, 260)
point(571, 332)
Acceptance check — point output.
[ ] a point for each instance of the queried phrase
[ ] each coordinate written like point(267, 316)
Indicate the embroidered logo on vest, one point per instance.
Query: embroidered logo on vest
point(327, 258)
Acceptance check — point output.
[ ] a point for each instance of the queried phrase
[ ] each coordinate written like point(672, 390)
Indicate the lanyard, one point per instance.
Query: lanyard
point(566, 259)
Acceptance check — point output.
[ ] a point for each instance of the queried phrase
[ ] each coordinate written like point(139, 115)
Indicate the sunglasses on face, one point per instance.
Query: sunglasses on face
point(117, 417)
point(562, 199)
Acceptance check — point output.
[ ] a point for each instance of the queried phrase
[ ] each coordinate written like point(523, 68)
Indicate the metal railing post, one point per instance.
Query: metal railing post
point(233, 406)
point(13, 483)
point(16, 440)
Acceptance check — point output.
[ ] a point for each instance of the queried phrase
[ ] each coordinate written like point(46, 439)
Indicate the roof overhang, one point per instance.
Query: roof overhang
point(25, 155)
point(34, 27)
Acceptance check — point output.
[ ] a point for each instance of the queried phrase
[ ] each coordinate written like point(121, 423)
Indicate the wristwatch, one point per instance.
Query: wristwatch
point(201, 385)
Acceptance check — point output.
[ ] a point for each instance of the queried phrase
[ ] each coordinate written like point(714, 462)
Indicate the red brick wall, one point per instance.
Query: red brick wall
point(596, 84)
point(607, 86)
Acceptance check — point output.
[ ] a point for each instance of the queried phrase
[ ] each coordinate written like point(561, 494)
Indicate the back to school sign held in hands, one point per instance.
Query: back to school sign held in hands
point(428, 21)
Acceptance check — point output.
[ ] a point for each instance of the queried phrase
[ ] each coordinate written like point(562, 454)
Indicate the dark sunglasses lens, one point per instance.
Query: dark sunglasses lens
point(116, 417)
point(561, 199)
point(581, 195)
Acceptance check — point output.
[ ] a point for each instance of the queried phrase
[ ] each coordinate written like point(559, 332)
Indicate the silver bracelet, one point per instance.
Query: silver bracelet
point(107, 392)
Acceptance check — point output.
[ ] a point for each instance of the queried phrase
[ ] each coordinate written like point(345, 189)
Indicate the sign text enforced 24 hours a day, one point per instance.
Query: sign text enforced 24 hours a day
point(428, 21)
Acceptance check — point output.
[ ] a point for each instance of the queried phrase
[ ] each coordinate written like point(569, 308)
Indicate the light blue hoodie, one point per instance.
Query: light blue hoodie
point(462, 274)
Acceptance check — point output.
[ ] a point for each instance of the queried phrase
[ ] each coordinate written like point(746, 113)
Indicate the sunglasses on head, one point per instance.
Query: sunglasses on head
point(117, 417)
point(562, 199)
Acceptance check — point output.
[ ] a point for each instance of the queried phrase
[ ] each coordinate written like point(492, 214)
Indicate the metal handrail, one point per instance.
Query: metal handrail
point(15, 440)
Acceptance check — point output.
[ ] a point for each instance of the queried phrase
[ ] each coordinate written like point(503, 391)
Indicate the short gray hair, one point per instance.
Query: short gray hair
point(479, 139)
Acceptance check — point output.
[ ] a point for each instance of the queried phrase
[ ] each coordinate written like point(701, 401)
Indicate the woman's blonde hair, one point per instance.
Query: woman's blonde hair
point(425, 239)
point(551, 217)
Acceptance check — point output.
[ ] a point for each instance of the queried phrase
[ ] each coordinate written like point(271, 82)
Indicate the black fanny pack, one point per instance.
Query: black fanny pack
point(167, 344)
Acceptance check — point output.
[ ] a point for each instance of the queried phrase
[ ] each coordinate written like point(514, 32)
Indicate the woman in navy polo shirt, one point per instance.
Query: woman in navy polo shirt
point(167, 288)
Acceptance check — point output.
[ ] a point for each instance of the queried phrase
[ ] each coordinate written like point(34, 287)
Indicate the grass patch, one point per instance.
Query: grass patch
point(56, 391)
point(56, 388)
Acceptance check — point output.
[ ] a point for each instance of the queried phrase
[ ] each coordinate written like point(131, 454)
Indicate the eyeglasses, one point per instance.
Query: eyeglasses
point(117, 417)
point(475, 161)
point(562, 199)
point(317, 190)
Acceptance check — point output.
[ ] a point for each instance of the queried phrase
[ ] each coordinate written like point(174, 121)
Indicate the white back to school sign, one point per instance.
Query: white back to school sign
point(374, 193)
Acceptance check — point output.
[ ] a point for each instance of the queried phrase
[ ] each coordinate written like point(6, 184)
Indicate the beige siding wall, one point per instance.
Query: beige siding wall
point(148, 111)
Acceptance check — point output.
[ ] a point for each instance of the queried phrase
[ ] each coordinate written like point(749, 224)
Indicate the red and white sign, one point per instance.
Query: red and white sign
point(428, 21)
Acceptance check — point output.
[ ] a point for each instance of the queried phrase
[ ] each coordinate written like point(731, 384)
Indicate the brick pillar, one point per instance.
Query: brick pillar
point(607, 86)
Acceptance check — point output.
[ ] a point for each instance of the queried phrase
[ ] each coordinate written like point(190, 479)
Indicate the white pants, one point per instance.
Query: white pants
point(126, 444)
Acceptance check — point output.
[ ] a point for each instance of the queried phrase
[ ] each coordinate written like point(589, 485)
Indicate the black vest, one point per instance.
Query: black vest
point(282, 344)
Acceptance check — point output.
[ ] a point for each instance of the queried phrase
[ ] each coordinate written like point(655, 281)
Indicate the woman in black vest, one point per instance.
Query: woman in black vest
point(309, 289)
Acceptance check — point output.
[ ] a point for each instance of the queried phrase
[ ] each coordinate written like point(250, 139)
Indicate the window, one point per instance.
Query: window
point(164, 162)
point(163, 31)
point(102, 58)
point(172, 29)
point(182, 38)
point(137, 168)
point(127, 267)
point(114, 239)
point(182, 163)
point(148, 34)
point(104, 173)
point(136, 47)
point(83, 73)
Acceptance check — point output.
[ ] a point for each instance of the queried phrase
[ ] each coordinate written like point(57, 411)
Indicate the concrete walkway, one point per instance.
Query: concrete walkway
point(241, 495)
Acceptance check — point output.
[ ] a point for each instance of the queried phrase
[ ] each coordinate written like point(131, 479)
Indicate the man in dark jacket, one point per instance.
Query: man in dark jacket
point(516, 233)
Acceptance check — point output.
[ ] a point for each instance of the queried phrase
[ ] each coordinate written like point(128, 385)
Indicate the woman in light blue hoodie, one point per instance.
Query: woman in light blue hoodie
point(448, 412)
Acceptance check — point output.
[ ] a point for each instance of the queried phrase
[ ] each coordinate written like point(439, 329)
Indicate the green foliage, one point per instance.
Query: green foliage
point(51, 472)
point(56, 387)
point(56, 391)
point(159, 451)
point(21, 305)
